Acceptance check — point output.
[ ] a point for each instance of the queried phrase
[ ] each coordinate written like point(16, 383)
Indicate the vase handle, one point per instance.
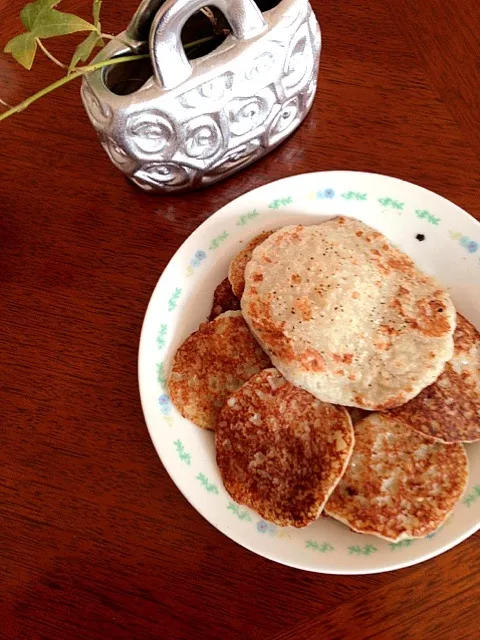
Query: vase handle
point(139, 26)
point(170, 63)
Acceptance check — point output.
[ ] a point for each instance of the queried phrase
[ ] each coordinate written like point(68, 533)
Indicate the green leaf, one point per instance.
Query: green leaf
point(84, 49)
point(31, 11)
point(23, 49)
point(55, 23)
point(97, 5)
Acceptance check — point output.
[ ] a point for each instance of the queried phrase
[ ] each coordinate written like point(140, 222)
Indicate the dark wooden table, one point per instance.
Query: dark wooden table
point(96, 542)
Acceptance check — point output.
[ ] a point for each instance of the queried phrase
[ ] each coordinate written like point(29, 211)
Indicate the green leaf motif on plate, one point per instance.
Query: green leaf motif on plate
point(245, 219)
point(423, 214)
point(172, 303)
point(241, 514)
point(399, 545)
point(321, 548)
point(210, 487)
point(216, 242)
point(161, 336)
point(161, 377)
point(182, 454)
point(471, 498)
point(281, 202)
point(354, 195)
point(389, 202)
point(367, 550)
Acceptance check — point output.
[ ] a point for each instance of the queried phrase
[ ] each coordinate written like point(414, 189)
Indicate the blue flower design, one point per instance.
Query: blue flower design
point(164, 402)
point(198, 258)
point(472, 246)
point(328, 193)
point(262, 526)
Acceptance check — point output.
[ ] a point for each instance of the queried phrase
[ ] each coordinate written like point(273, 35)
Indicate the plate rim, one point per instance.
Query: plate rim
point(191, 499)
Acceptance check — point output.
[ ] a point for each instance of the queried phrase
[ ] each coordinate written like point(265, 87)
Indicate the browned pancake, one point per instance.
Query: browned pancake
point(211, 364)
point(398, 484)
point(224, 299)
point(449, 409)
point(347, 316)
point(236, 272)
point(280, 450)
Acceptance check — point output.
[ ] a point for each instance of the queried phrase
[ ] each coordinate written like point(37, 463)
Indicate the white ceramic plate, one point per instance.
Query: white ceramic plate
point(438, 235)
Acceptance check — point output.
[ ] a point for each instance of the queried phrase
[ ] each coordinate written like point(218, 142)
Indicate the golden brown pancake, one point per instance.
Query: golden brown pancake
point(398, 484)
point(236, 272)
point(211, 364)
point(347, 316)
point(280, 450)
point(449, 409)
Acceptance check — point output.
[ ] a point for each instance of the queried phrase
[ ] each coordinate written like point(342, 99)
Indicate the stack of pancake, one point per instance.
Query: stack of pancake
point(338, 378)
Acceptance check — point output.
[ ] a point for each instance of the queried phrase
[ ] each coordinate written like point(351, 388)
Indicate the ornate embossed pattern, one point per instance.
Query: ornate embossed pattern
point(100, 113)
point(152, 134)
point(246, 114)
point(116, 154)
point(166, 176)
point(203, 137)
point(200, 133)
point(212, 90)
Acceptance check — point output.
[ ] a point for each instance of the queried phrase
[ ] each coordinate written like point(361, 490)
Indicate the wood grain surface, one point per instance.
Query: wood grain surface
point(96, 542)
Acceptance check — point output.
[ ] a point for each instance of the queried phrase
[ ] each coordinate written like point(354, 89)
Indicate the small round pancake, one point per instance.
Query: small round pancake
point(398, 484)
point(449, 409)
point(347, 316)
point(211, 364)
point(223, 299)
point(236, 272)
point(281, 451)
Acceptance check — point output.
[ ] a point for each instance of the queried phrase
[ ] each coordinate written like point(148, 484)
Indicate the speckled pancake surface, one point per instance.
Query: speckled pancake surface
point(398, 484)
point(212, 363)
point(236, 271)
point(449, 409)
point(280, 450)
point(347, 316)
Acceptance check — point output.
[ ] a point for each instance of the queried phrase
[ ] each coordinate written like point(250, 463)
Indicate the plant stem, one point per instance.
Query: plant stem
point(81, 71)
point(49, 55)
point(107, 36)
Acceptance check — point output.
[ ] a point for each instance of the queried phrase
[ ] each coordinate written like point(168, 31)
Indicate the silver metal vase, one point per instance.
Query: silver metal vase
point(196, 122)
